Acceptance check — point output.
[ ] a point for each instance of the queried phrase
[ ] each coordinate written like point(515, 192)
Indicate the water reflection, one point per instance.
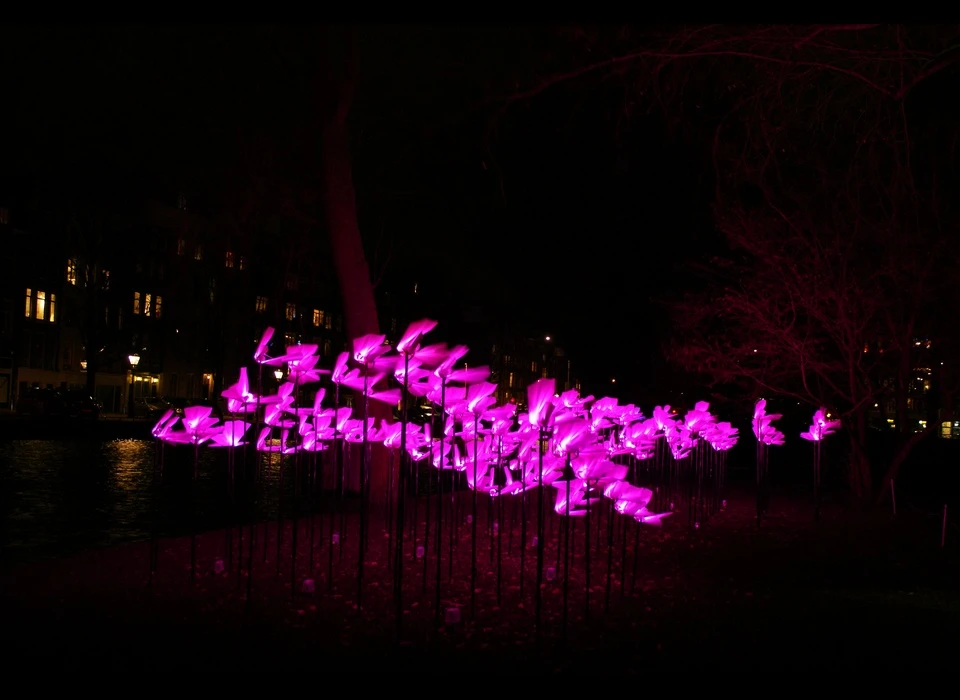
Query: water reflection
point(62, 496)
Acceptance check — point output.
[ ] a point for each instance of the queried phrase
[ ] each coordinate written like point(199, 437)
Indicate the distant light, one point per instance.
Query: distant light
point(547, 338)
point(613, 381)
point(278, 373)
point(754, 349)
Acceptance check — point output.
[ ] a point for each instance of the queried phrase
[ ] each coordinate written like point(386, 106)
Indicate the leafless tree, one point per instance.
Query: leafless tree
point(829, 179)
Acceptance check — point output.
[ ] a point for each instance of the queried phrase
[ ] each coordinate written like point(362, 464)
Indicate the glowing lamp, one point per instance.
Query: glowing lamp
point(278, 373)
point(83, 365)
point(547, 338)
point(134, 360)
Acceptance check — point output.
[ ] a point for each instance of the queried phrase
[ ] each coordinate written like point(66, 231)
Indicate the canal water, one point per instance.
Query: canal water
point(59, 497)
point(64, 495)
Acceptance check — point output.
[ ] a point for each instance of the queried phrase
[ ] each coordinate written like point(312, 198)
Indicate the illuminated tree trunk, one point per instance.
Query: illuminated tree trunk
point(860, 479)
point(349, 260)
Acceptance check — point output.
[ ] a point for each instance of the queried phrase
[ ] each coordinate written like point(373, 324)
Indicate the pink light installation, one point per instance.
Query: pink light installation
point(818, 430)
point(596, 454)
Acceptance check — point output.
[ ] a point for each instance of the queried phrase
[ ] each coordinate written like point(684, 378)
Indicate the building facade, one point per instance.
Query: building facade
point(151, 298)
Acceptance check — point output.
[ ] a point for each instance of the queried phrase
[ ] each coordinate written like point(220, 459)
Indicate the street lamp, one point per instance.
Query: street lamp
point(83, 365)
point(134, 360)
point(547, 338)
point(278, 373)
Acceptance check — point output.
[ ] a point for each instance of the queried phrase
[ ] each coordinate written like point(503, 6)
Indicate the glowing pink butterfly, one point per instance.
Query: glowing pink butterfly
point(821, 426)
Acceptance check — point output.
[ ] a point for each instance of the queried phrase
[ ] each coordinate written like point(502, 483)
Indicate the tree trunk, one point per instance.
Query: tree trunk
point(861, 482)
point(899, 458)
point(350, 262)
point(353, 273)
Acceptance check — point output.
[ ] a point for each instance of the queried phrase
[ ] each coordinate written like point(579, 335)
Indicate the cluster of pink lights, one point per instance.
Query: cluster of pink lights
point(821, 427)
point(763, 428)
point(497, 449)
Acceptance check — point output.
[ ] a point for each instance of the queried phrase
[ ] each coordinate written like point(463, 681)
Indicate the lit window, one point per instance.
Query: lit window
point(28, 307)
point(291, 311)
point(229, 261)
point(198, 253)
point(72, 271)
point(543, 373)
point(261, 304)
point(41, 305)
point(328, 321)
point(242, 263)
point(157, 306)
point(510, 380)
point(291, 339)
point(326, 348)
point(533, 366)
point(317, 317)
point(106, 279)
point(53, 308)
point(146, 304)
point(136, 302)
point(506, 359)
point(181, 246)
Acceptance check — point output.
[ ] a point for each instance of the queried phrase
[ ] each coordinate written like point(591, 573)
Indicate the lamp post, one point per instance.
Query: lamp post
point(134, 360)
point(278, 373)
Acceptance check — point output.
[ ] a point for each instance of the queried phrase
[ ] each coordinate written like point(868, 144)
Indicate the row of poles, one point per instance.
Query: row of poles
point(695, 484)
point(696, 481)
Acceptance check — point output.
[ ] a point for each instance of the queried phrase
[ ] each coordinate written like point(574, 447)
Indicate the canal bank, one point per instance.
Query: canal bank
point(17, 427)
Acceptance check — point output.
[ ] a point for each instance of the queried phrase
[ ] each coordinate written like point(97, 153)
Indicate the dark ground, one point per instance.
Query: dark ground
point(859, 587)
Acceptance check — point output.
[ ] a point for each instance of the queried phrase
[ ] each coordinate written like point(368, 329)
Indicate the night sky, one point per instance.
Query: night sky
point(561, 208)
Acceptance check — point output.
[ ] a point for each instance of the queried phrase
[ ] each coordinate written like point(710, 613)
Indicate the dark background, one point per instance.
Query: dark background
point(561, 212)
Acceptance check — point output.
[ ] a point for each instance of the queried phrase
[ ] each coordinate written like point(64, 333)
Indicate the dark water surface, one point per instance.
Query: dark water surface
point(64, 495)
point(59, 497)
